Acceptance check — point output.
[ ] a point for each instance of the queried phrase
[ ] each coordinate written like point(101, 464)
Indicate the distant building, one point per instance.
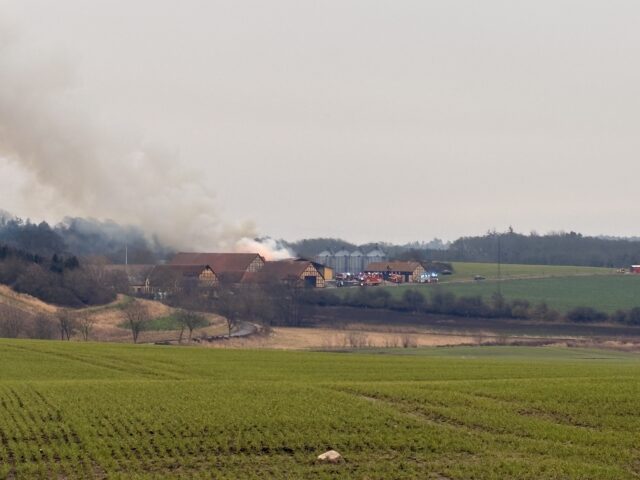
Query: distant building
point(341, 261)
point(635, 269)
point(137, 276)
point(356, 261)
point(344, 261)
point(229, 267)
point(166, 279)
point(325, 270)
point(326, 258)
point(300, 272)
point(375, 255)
point(408, 271)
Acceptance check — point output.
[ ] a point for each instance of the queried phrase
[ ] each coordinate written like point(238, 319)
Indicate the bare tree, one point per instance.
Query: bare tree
point(67, 324)
point(11, 321)
point(43, 328)
point(85, 325)
point(190, 320)
point(138, 317)
point(228, 304)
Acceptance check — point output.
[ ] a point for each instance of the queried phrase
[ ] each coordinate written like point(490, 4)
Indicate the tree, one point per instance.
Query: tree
point(229, 306)
point(85, 324)
point(138, 317)
point(67, 324)
point(413, 299)
point(43, 328)
point(190, 320)
point(11, 321)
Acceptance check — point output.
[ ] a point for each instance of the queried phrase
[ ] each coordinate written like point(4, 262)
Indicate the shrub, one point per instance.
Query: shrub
point(633, 316)
point(471, 307)
point(619, 316)
point(413, 299)
point(585, 315)
point(519, 309)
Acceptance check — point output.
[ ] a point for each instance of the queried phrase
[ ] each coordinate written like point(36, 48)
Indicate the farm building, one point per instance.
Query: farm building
point(635, 269)
point(170, 278)
point(341, 261)
point(229, 267)
point(137, 276)
point(375, 255)
point(302, 272)
point(354, 262)
point(406, 271)
point(325, 270)
point(325, 258)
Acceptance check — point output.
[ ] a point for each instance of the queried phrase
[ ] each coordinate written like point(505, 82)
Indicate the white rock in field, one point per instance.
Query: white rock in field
point(331, 456)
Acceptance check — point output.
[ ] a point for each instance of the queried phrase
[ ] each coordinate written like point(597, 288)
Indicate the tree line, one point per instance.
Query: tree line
point(558, 248)
point(59, 280)
point(82, 237)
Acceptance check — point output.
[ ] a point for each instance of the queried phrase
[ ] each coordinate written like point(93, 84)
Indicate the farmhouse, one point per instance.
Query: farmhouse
point(137, 276)
point(171, 278)
point(406, 271)
point(300, 272)
point(228, 267)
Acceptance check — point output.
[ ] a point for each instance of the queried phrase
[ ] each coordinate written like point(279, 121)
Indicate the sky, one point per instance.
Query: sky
point(367, 120)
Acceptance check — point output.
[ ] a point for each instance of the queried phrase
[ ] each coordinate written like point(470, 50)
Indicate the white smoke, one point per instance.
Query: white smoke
point(96, 171)
point(269, 248)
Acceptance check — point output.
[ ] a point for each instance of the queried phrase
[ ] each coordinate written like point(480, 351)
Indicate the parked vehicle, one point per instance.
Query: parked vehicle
point(429, 277)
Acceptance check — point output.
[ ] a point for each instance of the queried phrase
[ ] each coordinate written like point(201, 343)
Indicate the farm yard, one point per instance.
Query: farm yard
point(84, 410)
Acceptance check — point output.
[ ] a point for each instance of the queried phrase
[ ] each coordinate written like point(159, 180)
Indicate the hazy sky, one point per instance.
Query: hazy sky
point(368, 120)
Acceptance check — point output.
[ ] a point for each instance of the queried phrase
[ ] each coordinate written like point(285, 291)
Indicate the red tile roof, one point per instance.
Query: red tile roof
point(278, 270)
point(219, 262)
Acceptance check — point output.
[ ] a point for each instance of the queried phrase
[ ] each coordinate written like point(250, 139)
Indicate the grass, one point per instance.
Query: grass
point(465, 271)
point(166, 323)
point(71, 410)
point(561, 287)
point(606, 293)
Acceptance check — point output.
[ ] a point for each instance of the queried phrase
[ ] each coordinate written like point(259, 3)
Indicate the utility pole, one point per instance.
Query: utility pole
point(499, 265)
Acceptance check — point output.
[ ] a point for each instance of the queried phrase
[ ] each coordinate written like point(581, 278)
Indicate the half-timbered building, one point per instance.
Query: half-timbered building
point(408, 271)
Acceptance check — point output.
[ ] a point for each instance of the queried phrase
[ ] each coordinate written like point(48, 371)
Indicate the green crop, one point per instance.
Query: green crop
point(72, 410)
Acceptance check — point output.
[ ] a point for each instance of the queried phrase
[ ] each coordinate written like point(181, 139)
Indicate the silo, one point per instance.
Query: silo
point(375, 255)
point(356, 261)
point(342, 261)
point(325, 258)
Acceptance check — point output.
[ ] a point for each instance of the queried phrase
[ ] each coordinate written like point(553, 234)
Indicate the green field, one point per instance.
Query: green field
point(603, 292)
point(463, 271)
point(74, 410)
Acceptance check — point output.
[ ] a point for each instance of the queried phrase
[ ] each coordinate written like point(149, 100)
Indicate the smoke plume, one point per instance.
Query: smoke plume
point(269, 248)
point(96, 171)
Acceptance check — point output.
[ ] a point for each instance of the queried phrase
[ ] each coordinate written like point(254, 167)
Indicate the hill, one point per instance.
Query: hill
point(109, 321)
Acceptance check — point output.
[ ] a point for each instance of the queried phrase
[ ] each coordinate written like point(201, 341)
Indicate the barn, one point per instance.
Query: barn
point(325, 270)
point(301, 272)
point(165, 279)
point(635, 269)
point(137, 276)
point(229, 267)
point(407, 271)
